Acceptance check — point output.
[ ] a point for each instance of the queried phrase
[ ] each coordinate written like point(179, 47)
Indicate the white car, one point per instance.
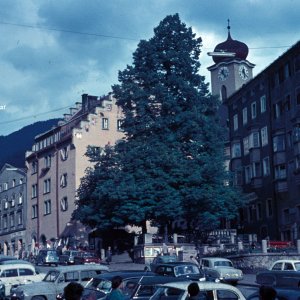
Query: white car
point(17, 274)
point(208, 290)
point(221, 268)
point(286, 265)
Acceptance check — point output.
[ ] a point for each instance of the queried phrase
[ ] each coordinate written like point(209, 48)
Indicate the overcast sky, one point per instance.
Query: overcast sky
point(51, 52)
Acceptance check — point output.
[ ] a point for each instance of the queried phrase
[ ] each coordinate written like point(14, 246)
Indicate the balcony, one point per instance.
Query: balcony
point(279, 158)
point(254, 154)
point(256, 182)
point(281, 186)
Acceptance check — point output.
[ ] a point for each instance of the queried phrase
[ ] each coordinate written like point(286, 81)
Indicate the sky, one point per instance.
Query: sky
point(52, 52)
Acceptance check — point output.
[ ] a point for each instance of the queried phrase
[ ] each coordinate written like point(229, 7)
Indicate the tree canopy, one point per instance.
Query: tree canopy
point(170, 163)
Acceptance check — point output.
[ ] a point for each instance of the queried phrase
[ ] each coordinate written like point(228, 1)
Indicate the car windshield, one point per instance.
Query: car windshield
point(99, 284)
point(223, 263)
point(186, 269)
point(88, 255)
point(168, 293)
point(167, 259)
point(52, 253)
point(297, 266)
point(51, 276)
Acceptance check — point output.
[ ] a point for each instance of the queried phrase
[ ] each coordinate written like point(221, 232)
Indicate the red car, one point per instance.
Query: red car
point(86, 258)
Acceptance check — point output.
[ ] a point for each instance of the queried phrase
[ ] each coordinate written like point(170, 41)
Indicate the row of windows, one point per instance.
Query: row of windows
point(47, 185)
point(47, 207)
point(253, 107)
point(254, 212)
point(5, 186)
point(12, 201)
point(13, 219)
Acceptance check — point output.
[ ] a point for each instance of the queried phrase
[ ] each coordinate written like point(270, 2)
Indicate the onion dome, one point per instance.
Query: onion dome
point(231, 46)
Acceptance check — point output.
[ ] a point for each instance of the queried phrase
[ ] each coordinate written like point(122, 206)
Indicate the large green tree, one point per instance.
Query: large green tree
point(170, 163)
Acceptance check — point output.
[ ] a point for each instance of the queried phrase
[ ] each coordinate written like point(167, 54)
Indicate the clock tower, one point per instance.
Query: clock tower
point(231, 70)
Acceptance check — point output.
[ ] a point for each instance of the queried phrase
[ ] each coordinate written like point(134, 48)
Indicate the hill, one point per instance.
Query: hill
point(14, 145)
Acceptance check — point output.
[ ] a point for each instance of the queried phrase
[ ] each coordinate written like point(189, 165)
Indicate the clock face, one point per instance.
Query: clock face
point(223, 73)
point(243, 72)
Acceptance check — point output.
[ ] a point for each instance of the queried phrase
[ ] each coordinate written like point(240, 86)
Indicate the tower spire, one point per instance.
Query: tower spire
point(228, 28)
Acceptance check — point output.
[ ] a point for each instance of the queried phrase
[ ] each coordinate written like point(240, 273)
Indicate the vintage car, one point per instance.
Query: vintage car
point(162, 259)
point(16, 274)
point(221, 268)
point(47, 257)
point(278, 278)
point(55, 281)
point(286, 265)
point(282, 294)
point(180, 270)
point(208, 290)
point(86, 258)
point(67, 258)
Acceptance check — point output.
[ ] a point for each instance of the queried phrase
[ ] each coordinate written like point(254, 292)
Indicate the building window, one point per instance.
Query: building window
point(253, 110)
point(246, 145)
point(280, 171)
point(269, 207)
point(5, 186)
point(19, 217)
point(63, 180)
point(264, 136)
point(105, 123)
point(12, 220)
point(6, 203)
point(263, 104)
point(21, 181)
point(296, 133)
point(4, 222)
point(64, 153)
point(47, 207)
point(20, 200)
point(278, 143)
point(248, 174)
point(277, 110)
point(13, 182)
point(34, 211)
point(266, 166)
point(258, 211)
point(64, 204)
point(47, 186)
point(254, 140)
point(238, 177)
point(245, 115)
point(13, 200)
point(34, 167)
point(47, 161)
point(256, 171)
point(236, 150)
point(119, 125)
point(1, 188)
point(235, 122)
point(34, 191)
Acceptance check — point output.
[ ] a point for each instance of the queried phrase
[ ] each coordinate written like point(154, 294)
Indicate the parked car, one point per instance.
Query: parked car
point(16, 274)
point(67, 258)
point(55, 281)
point(208, 290)
point(221, 268)
point(162, 259)
point(286, 265)
point(180, 270)
point(47, 256)
point(86, 258)
point(278, 278)
point(14, 261)
point(282, 294)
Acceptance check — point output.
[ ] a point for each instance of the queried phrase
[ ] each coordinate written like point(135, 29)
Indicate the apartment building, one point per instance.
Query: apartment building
point(56, 164)
point(264, 123)
point(12, 209)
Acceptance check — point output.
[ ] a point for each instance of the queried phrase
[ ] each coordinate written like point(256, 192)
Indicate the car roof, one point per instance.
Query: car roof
point(204, 285)
point(216, 258)
point(16, 266)
point(287, 260)
point(177, 263)
point(80, 267)
point(124, 274)
point(150, 280)
point(15, 261)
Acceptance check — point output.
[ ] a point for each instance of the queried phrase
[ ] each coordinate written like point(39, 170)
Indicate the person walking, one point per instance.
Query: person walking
point(116, 285)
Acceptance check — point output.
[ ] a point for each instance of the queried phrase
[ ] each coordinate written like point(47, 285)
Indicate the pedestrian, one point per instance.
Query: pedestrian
point(108, 255)
point(267, 293)
point(194, 260)
point(73, 291)
point(193, 291)
point(165, 249)
point(116, 285)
